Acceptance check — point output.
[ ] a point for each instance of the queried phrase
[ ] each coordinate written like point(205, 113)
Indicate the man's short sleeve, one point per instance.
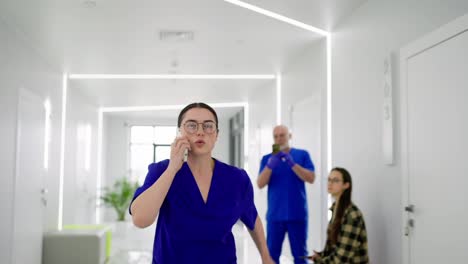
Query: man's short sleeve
point(307, 161)
point(263, 163)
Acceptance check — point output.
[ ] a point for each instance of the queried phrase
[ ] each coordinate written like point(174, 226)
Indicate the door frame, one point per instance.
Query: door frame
point(436, 37)
point(29, 94)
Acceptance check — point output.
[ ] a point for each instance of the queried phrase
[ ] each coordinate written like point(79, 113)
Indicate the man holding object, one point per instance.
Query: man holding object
point(285, 172)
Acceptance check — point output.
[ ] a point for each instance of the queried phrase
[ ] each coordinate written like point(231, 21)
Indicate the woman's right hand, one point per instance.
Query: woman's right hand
point(315, 257)
point(178, 148)
point(268, 260)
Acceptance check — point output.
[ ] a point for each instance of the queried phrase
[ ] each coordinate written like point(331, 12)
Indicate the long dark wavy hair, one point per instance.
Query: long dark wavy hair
point(343, 203)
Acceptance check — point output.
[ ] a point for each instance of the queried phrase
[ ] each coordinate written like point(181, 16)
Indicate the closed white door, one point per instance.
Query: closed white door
point(29, 193)
point(436, 147)
point(305, 128)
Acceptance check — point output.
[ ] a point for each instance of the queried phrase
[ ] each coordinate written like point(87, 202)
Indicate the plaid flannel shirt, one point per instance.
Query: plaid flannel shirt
point(351, 247)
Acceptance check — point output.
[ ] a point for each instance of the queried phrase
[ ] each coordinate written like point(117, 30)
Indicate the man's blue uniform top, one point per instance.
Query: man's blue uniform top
point(287, 199)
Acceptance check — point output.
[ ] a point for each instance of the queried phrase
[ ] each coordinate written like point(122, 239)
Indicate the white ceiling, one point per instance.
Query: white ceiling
point(122, 37)
point(115, 93)
point(323, 14)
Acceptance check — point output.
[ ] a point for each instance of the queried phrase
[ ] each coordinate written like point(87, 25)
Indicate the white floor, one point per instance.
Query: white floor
point(135, 247)
point(131, 257)
point(142, 257)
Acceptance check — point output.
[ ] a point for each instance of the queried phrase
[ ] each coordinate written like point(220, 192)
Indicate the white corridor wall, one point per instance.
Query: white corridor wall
point(80, 172)
point(23, 66)
point(360, 44)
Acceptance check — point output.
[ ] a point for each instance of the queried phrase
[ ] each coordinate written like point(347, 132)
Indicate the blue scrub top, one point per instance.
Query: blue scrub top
point(287, 200)
point(190, 231)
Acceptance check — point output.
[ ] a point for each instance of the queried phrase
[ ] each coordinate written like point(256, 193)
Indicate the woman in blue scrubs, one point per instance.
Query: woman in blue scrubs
point(197, 201)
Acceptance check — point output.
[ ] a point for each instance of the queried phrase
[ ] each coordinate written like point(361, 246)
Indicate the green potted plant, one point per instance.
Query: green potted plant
point(119, 196)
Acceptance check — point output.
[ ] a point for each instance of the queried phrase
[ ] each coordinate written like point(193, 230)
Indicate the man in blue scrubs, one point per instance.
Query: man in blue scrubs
point(285, 174)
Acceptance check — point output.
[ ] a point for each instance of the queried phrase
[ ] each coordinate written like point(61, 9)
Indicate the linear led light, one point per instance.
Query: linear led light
point(246, 136)
point(174, 76)
point(329, 72)
point(329, 103)
point(87, 138)
point(103, 110)
point(99, 166)
point(329, 62)
point(278, 99)
point(47, 107)
point(62, 149)
point(279, 17)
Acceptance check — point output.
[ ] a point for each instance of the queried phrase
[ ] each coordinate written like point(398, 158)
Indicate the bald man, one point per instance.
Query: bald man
point(286, 173)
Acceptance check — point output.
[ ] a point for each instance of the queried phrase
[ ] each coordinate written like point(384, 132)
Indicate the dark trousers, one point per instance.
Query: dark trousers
point(297, 234)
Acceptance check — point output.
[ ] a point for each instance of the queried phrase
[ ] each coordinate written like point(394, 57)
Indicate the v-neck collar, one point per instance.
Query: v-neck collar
point(197, 188)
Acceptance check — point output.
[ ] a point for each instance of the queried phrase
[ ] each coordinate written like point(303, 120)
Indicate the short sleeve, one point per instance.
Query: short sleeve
point(155, 170)
point(249, 211)
point(307, 162)
point(263, 163)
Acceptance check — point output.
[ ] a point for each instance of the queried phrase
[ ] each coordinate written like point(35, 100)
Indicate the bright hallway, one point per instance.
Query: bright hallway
point(90, 91)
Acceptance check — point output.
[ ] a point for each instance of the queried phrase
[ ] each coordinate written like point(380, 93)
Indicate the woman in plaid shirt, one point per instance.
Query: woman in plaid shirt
point(346, 233)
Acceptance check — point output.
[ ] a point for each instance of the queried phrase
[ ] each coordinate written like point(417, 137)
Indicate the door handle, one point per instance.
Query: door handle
point(409, 208)
point(409, 225)
point(44, 192)
point(44, 201)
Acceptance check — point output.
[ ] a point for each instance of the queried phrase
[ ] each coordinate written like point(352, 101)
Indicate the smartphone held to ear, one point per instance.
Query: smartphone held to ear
point(185, 154)
point(186, 150)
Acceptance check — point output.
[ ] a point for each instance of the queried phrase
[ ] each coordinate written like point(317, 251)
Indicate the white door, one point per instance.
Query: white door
point(435, 74)
point(305, 127)
point(29, 192)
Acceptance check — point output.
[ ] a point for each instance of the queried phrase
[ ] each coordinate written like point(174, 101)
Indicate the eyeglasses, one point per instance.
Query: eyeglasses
point(191, 127)
point(334, 180)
